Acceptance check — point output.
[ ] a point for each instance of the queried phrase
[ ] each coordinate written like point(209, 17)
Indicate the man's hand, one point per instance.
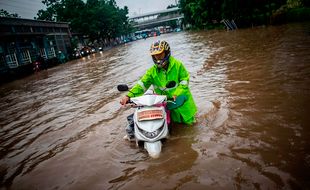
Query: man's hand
point(174, 97)
point(124, 100)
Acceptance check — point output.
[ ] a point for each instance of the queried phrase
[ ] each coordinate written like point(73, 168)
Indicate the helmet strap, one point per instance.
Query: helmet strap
point(163, 63)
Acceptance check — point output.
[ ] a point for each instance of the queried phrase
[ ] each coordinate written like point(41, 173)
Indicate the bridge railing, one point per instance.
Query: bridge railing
point(159, 19)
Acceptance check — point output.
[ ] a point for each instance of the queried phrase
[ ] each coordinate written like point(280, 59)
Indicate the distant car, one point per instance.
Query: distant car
point(177, 30)
point(76, 54)
point(85, 51)
point(93, 50)
point(139, 37)
point(126, 40)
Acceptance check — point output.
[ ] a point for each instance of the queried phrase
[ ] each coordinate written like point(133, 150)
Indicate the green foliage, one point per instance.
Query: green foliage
point(95, 18)
point(171, 6)
point(4, 13)
point(298, 14)
point(294, 3)
point(205, 14)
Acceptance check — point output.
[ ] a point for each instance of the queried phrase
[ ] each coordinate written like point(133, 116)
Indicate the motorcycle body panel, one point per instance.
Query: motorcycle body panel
point(150, 122)
point(149, 100)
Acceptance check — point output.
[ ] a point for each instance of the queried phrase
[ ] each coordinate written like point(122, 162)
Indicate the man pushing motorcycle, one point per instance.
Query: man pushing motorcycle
point(165, 69)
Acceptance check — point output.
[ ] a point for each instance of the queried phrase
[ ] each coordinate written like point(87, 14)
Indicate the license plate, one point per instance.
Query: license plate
point(150, 115)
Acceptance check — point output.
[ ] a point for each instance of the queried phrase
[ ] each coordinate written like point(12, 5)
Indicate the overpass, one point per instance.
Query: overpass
point(158, 18)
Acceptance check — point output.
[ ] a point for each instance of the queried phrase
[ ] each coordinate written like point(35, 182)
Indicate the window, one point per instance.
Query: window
point(25, 56)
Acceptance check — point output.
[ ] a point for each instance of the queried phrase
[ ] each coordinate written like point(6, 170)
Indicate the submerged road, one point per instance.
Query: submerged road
point(63, 128)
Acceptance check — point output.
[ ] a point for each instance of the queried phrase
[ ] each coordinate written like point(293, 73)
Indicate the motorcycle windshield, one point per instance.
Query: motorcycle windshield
point(149, 100)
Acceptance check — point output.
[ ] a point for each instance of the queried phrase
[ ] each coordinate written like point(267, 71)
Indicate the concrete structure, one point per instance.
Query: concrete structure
point(21, 40)
point(158, 18)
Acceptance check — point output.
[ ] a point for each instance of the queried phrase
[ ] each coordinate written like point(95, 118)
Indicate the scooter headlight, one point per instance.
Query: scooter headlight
point(153, 134)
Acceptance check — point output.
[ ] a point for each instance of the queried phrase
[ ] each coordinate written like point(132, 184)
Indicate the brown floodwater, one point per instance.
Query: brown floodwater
point(63, 128)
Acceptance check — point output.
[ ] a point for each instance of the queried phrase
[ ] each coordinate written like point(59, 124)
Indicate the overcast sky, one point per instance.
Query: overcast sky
point(29, 8)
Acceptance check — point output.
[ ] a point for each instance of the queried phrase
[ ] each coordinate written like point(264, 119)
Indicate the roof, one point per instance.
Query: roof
point(155, 13)
point(30, 22)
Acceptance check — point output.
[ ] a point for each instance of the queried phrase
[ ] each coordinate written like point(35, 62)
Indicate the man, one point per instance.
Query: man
point(61, 57)
point(166, 68)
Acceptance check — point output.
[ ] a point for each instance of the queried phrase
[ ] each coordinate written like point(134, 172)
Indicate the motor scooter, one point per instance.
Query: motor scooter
point(152, 118)
point(36, 66)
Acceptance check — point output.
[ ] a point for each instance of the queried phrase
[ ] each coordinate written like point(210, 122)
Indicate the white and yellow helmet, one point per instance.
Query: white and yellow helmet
point(159, 47)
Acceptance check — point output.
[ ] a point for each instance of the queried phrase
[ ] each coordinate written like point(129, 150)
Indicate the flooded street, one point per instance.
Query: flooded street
point(63, 128)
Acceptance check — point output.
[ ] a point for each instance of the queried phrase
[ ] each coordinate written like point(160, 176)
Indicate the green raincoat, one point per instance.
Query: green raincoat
point(159, 78)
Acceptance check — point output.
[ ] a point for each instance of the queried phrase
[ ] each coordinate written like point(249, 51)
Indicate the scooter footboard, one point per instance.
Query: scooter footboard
point(153, 148)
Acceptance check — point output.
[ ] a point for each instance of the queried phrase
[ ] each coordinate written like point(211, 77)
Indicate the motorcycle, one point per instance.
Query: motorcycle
point(152, 118)
point(36, 66)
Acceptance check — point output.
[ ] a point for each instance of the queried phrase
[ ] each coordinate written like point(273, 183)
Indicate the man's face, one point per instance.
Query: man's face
point(160, 56)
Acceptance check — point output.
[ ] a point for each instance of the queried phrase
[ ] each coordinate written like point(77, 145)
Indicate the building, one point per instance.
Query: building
point(22, 40)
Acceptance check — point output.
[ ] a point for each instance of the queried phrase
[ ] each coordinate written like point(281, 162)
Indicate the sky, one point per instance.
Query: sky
point(29, 8)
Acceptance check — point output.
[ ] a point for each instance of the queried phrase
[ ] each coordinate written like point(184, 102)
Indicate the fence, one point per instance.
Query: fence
point(11, 60)
point(43, 53)
point(51, 52)
point(25, 57)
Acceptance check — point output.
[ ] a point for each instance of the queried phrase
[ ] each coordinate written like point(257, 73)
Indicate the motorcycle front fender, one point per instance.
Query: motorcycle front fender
point(153, 148)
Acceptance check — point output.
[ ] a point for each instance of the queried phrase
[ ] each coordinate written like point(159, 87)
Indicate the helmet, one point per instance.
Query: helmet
point(159, 47)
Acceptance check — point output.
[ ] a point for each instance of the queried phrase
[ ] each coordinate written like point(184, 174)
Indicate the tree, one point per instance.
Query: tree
point(204, 13)
point(95, 18)
point(4, 13)
point(171, 6)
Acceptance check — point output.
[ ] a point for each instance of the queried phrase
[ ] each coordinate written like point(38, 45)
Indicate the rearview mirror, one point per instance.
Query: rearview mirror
point(122, 87)
point(171, 84)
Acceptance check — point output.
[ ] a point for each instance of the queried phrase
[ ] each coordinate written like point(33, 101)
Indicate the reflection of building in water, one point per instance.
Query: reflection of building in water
point(22, 40)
